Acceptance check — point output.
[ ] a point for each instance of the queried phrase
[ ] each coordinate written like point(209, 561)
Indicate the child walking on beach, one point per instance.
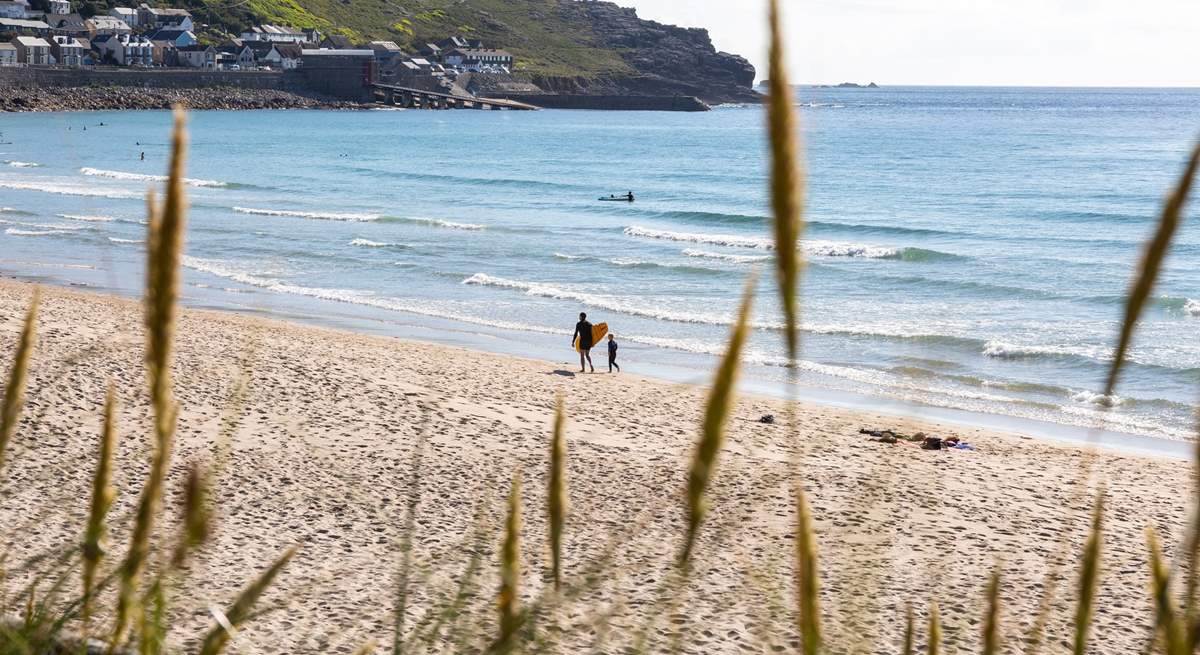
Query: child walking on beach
point(612, 354)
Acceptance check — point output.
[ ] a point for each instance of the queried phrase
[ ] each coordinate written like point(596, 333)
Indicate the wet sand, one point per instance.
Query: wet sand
point(320, 446)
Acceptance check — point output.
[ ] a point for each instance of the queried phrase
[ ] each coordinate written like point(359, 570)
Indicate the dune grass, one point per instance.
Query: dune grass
point(54, 621)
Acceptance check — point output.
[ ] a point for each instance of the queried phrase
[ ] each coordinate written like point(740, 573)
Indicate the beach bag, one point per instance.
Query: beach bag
point(932, 443)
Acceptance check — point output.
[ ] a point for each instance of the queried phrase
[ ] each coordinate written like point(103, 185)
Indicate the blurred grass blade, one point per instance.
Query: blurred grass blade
point(786, 183)
point(510, 572)
point(1166, 617)
point(14, 387)
point(1147, 275)
point(908, 630)
point(712, 432)
point(807, 584)
point(196, 519)
point(164, 243)
point(935, 630)
point(557, 494)
point(218, 637)
point(1088, 578)
point(991, 621)
point(102, 498)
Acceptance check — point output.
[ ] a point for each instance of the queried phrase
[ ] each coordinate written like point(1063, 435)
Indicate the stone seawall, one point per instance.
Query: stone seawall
point(611, 102)
point(64, 89)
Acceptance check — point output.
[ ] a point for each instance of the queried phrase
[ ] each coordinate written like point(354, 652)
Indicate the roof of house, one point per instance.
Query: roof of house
point(289, 50)
point(326, 52)
point(167, 12)
point(124, 11)
point(107, 22)
point(387, 46)
point(274, 29)
point(195, 47)
point(170, 34)
point(340, 42)
point(31, 42)
point(480, 52)
point(7, 46)
point(22, 23)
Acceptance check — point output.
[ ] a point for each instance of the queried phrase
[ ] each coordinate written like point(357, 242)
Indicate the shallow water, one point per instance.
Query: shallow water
point(967, 248)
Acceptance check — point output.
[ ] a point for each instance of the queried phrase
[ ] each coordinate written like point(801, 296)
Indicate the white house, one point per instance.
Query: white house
point(478, 59)
point(8, 54)
point(274, 34)
point(102, 25)
point(197, 56)
point(59, 7)
point(32, 50)
point(66, 50)
point(125, 49)
point(128, 15)
point(180, 19)
point(284, 55)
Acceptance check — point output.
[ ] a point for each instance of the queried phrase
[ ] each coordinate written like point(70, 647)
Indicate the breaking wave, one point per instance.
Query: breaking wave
point(645, 264)
point(142, 177)
point(814, 248)
point(17, 232)
point(87, 218)
point(21, 164)
point(711, 239)
point(367, 243)
point(69, 189)
point(321, 216)
point(1192, 307)
point(120, 240)
point(737, 259)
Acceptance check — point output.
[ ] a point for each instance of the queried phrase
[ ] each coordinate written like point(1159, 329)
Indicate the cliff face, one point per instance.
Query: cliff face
point(662, 59)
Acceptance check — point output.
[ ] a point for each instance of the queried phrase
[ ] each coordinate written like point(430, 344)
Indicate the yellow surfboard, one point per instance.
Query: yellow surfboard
point(599, 330)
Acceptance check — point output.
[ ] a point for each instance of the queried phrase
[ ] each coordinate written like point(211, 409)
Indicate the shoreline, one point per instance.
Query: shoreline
point(323, 425)
point(133, 98)
point(1068, 435)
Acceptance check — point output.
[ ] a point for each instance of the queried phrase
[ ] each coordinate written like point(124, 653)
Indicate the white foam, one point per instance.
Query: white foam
point(712, 239)
point(87, 218)
point(447, 224)
point(367, 243)
point(737, 259)
point(142, 177)
point(835, 249)
point(1098, 399)
point(68, 189)
point(17, 232)
point(22, 164)
point(321, 216)
point(120, 240)
point(1003, 350)
point(655, 310)
point(1192, 307)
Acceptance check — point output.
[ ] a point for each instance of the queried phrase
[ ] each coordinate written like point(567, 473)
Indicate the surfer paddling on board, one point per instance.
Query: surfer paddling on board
point(583, 331)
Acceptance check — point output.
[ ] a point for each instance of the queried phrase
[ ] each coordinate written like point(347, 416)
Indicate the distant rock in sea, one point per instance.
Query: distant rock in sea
point(847, 85)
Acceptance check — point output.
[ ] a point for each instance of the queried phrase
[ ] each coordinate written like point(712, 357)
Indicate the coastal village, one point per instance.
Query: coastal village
point(145, 37)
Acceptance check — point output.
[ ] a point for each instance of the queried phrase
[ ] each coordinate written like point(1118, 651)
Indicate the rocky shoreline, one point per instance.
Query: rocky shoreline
point(31, 98)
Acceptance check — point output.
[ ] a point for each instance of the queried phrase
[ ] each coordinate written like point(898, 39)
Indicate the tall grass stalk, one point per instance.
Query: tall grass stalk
point(935, 630)
point(712, 428)
point(1089, 573)
point(991, 620)
point(196, 517)
point(218, 637)
point(14, 387)
point(163, 250)
point(807, 588)
point(507, 602)
point(557, 500)
point(786, 183)
point(1166, 620)
point(102, 498)
point(908, 648)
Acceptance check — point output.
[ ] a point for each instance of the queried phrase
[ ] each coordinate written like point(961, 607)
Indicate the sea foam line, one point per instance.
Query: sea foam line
point(68, 189)
point(142, 177)
point(1192, 307)
point(22, 164)
point(87, 218)
point(737, 259)
point(321, 216)
point(367, 243)
point(815, 248)
point(17, 232)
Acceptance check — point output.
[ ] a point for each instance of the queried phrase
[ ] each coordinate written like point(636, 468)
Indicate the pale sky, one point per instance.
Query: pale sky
point(960, 42)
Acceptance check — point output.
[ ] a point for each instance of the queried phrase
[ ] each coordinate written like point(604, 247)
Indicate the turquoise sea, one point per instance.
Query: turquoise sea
point(968, 248)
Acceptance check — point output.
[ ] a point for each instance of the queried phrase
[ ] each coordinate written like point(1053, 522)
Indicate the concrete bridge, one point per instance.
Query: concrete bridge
point(403, 96)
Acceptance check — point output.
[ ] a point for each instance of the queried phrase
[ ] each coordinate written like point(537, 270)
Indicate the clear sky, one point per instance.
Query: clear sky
point(960, 42)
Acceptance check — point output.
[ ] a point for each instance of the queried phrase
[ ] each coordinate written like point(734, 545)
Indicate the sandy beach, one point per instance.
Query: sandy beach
point(322, 431)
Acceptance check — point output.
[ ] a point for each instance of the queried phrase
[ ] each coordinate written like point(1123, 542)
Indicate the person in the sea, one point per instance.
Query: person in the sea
point(629, 196)
point(143, 156)
point(612, 354)
point(583, 330)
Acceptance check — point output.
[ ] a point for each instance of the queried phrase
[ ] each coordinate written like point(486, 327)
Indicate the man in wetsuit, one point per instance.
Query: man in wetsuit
point(583, 330)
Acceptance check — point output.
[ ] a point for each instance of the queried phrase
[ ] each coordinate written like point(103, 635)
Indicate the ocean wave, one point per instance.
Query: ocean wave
point(17, 232)
point(605, 302)
point(1004, 350)
point(647, 264)
point(60, 188)
point(1098, 399)
point(367, 243)
point(120, 240)
point(87, 218)
point(1192, 307)
point(321, 216)
point(814, 248)
point(142, 177)
point(737, 259)
point(22, 164)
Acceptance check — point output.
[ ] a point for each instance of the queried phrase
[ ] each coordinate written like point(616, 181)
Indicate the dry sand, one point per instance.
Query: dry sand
point(321, 448)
